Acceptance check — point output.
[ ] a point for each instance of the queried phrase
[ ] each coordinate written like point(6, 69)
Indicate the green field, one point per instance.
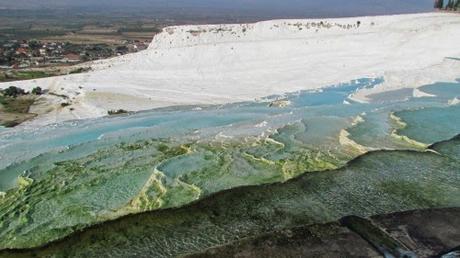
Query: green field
point(22, 75)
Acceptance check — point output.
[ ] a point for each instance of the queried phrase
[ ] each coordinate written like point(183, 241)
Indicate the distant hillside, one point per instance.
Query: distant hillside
point(272, 8)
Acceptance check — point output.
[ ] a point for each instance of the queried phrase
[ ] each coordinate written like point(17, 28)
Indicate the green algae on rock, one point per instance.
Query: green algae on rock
point(375, 183)
point(146, 175)
point(78, 174)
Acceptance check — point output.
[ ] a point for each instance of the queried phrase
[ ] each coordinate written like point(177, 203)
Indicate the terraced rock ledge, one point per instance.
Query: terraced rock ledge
point(418, 233)
point(376, 183)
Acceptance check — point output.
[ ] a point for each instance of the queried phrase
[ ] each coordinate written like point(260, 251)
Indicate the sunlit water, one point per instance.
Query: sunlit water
point(207, 123)
point(82, 172)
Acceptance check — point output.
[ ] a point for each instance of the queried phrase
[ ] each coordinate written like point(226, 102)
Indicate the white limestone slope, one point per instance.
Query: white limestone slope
point(212, 64)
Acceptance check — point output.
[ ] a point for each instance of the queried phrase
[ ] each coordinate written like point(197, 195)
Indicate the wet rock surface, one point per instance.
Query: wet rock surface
point(418, 233)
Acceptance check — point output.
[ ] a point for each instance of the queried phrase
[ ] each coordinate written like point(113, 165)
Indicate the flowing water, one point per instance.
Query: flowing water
point(65, 177)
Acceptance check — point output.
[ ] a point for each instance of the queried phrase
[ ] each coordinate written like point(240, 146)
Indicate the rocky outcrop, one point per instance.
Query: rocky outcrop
point(419, 233)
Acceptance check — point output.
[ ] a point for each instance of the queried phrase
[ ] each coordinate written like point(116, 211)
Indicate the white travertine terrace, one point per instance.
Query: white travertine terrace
point(213, 64)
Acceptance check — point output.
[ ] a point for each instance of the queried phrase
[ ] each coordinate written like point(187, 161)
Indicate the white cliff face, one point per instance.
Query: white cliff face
point(212, 64)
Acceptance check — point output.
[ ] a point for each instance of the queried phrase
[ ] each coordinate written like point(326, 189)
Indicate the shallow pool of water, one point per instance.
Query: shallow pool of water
point(170, 157)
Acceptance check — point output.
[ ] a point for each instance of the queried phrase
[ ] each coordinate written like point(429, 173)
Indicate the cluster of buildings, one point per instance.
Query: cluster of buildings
point(16, 54)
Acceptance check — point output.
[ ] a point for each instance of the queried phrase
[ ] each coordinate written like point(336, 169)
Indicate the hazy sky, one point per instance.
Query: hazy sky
point(261, 7)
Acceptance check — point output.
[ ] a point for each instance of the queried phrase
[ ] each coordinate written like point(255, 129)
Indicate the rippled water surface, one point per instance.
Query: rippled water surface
point(65, 177)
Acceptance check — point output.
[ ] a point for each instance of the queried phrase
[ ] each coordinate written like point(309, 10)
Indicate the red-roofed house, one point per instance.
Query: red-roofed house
point(71, 58)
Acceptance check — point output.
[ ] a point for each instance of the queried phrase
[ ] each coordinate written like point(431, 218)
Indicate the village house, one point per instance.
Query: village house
point(22, 52)
point(42, 51)
point(132, 48)
point(71, 58)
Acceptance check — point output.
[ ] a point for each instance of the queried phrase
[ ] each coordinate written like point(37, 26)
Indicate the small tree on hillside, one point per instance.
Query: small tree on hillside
point(436, 4)
point(13, 91)
point(37, 91)
point(439, 4)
